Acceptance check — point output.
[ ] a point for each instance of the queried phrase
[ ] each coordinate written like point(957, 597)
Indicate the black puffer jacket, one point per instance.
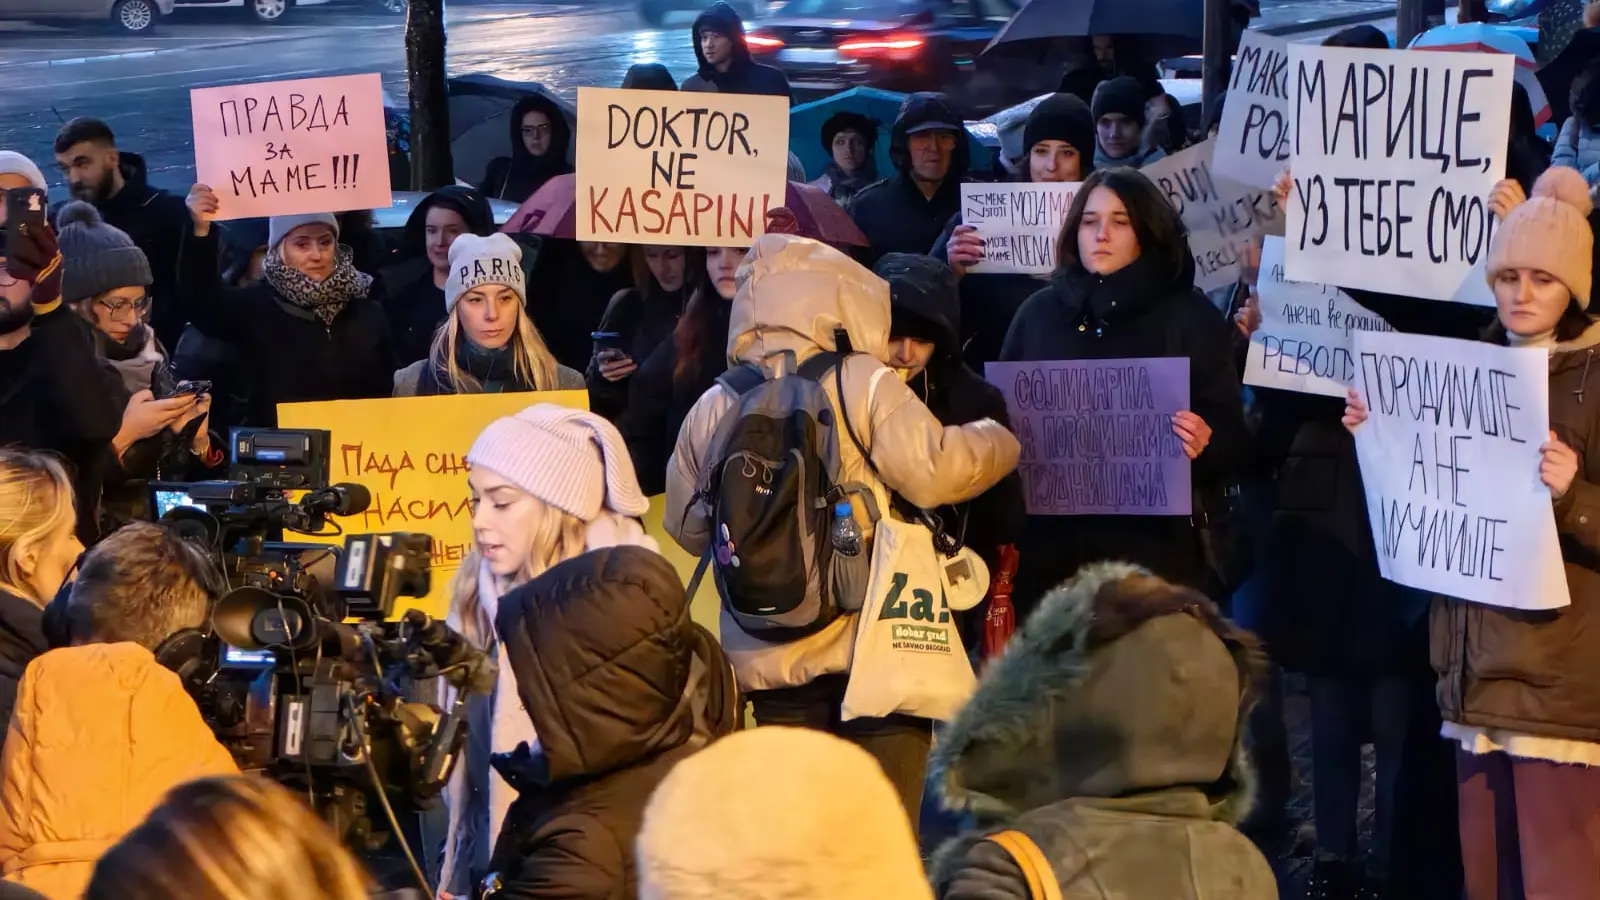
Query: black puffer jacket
point(894, 214)
point(21, 639)
point(515, 178)
point(603, 651)
point(413, 303)
point(1149, 308)
point(744, 76)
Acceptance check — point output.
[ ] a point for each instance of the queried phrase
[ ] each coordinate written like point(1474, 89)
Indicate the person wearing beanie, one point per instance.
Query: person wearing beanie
point(311, 329)
point(1119, 120)
point(1519, 697)
point(18, 171)
point(548, 484)
point(163, 435)
point(1109, 735)
point(1058, 143)
point(851, 140)
point(907, 212)
point(487, 343)
point(413, 297)
point(710, 833)
point(724, 58)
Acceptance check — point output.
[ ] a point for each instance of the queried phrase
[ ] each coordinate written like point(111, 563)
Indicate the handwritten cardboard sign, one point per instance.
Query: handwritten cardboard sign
point(1221, 215)
point(1097, 435)
point(1303, 343)
point(277, 148)
point(1019, 224)
point(1253, 137)
point(660, 167)
point(1450, 461)
point(1394, 156)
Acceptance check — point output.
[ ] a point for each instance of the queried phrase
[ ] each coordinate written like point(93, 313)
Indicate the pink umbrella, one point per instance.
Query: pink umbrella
point(553, 212)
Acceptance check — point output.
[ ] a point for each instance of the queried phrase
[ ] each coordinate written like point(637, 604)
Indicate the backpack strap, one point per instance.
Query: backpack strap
point(741, 380)
point(1036, 868)
point(819, 365)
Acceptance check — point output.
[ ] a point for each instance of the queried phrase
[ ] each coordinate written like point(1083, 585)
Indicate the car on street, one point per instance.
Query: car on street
point(126, 16)
point(655, 12)
point(898, 45)
point(273, 12)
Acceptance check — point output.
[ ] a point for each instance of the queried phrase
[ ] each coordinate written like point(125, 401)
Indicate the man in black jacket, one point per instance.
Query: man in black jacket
point(113, 181)
point(725, 63)
point(906, 212)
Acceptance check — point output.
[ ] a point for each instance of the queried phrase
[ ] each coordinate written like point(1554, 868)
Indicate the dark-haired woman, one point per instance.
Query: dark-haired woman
point(680, 370)
point(641, 317)
point(1124, 289)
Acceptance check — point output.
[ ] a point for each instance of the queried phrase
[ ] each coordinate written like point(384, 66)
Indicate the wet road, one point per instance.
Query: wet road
point(141, 85)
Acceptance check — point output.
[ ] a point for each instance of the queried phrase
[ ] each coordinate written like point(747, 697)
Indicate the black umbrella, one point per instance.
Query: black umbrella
point(1557, 75)
point(1164, 27)
point(480, 117)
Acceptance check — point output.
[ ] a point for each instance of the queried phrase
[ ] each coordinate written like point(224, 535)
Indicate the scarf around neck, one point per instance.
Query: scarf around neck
point(325, 299)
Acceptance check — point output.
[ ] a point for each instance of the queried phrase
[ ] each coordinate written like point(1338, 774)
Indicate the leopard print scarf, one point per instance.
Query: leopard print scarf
point(325, 299)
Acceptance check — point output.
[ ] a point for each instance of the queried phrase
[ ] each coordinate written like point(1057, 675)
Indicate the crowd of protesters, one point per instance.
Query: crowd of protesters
point(1129, 735)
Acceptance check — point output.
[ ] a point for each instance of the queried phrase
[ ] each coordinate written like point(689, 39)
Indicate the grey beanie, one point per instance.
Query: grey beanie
point(278, 227)
point(96, 257)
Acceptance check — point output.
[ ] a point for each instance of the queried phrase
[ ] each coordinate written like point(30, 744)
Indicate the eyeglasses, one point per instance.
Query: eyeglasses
point(536, 130)
point(122, 309)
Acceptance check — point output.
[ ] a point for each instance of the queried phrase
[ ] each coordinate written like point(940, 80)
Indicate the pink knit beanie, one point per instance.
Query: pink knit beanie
point(1550, 232)
point(573, 460)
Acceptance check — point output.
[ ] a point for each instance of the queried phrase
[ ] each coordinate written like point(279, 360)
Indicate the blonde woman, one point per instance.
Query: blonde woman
point(237, 838)
point(38, 544)
point(487, 344)
point(548, 484)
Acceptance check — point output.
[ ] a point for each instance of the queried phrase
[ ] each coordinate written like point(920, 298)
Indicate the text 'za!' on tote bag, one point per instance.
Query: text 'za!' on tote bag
point(908, 655)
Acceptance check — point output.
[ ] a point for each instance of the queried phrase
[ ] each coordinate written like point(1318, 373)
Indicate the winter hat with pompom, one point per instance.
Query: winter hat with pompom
point(96, 257)
point(707, 835)
point(1550, 232)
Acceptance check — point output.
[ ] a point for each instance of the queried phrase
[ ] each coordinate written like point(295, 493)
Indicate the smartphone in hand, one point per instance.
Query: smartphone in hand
point(25, 208)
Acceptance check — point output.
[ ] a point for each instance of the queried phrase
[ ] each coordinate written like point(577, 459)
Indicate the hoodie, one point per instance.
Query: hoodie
point(517, 177)
point(414, 304)
point(602, 650)
point(894, 214)
point(1124, 799)
point(744, 75)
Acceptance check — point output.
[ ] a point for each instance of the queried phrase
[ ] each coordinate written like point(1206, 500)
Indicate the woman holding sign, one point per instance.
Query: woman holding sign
point(1519, 690)
point(1124, 289)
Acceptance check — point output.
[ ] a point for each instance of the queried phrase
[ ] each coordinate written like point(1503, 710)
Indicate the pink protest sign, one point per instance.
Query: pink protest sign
point(1097, 435)
point(279, 148)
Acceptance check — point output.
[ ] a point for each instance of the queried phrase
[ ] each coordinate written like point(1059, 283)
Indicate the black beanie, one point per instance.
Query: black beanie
point(849, 121)
point(1061, 117)
point(1123, 94)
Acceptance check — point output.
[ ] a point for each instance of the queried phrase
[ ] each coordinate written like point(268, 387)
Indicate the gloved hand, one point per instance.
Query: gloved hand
point(36, 259)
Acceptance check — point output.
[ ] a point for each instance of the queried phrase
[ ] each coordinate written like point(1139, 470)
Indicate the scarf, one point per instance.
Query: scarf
point(324, 299)
point(140, 360)
point(494, 370)
point(842, 187)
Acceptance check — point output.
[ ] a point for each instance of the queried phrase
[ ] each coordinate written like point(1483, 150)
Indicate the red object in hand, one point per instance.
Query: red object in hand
point(36, 259)
point(1001, 619)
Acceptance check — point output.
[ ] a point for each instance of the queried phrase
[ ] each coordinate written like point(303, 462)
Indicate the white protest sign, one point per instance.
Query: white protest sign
point(1253, 137)
point(1221, 214)
point(1450, 461)
point(1303, 343)
point(1394, 155)
point(277, 148)
point(1475, 289)
point(660, 167)
point(1019, 224)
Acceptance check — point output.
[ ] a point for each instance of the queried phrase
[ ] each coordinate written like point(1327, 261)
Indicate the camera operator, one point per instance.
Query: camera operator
point(102, 728)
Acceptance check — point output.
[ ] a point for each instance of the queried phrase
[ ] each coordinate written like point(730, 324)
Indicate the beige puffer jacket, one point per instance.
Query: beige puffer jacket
point(793, 294)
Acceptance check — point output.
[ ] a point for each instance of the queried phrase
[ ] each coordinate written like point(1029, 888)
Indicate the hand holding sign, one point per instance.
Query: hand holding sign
point(965, 249)
point(1558, 466)
point(203, 205)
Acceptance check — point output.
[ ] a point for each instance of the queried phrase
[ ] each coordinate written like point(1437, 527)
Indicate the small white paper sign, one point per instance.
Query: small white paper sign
point(1019, 224)
point(1304, 342)
point(1450, 462)
point(1253, 137)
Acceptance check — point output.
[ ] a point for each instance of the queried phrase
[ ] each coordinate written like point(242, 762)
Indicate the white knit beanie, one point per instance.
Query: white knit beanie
point(573, 460)
point(477, 261)
point(278, 227)
point(828, 826)
point(14, 163)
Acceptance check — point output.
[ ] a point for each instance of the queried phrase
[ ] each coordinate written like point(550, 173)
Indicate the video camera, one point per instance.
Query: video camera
point(320, 703)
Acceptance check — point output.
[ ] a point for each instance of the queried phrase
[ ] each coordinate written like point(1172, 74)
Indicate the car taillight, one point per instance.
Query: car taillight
point(762, 43)
point(893, 47)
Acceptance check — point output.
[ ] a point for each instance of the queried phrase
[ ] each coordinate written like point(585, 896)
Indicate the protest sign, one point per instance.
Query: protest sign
point(1253, 137)
point(1097, 435)
point(1303, 343)
point(660, 167)
point(1019, 224)
point(277, 148)
point(1394, 155)
point(1221, 215)
point(1450, 462)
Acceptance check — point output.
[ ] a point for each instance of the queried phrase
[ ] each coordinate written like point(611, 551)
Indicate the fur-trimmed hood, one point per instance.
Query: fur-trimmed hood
point(1119, 685)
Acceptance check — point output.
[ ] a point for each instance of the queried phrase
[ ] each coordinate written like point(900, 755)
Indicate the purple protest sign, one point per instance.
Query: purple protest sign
point(1097, 435)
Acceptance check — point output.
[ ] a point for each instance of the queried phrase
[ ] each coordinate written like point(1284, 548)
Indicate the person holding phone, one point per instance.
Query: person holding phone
point(638, 319)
